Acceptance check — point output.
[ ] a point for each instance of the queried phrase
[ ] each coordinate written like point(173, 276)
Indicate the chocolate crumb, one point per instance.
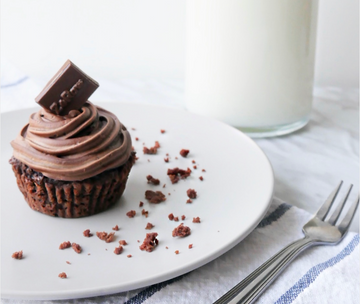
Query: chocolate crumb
point(76, 247)
point(162, 131)
point(118, 250)
point(101, 235)
point(150, 242)
point(195, 167)
point(176, 218)
point(164, 185)
point(196, 220)
point(193, 161)
point(190, 246)
point(67, 262)
point(201, 178)
point(203, 170)
point(189, 201)
point(65, 245)
point(191, 193)
point(129, 255)
point(177, 251)
point(136, 138)
point(184, 152)
point(18, 255)
point(62, 275)
point(152, 180)
point(87, 233)
point(181, 231)
point(122, 242)
point(131, 213)
point(133, 129)
point(145, 212)
point(183, 217)
point(167, 247)
point(110, 237)
point(149, 226)
point(176, 173)
point(141, 204)
point(166, 159)
point(116, 228)
point(169, 193)
point(152, 150)
point(176, 157)
point(155, 197)
point(171, 216)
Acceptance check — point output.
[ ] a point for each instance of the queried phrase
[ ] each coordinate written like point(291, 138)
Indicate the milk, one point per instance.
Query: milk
point(250, 63)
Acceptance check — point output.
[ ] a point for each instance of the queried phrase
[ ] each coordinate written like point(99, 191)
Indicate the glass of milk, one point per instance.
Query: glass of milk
point(250, 63)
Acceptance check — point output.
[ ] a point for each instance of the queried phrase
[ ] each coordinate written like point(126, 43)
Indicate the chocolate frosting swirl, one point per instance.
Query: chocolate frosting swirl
point(74, 147)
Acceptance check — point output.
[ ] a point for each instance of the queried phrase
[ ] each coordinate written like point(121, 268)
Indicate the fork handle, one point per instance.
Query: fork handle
point(254, 284)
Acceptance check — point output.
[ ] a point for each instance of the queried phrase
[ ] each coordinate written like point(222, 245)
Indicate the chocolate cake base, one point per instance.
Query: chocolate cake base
point(71, 199)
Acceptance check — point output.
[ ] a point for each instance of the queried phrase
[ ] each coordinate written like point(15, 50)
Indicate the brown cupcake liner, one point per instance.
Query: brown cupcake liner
point(71, 199)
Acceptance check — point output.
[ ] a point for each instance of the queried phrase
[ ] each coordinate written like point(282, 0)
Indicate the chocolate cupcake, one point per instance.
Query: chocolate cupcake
point(75, 162)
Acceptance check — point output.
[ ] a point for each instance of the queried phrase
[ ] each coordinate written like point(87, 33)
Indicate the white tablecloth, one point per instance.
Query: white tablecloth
point(307, 164)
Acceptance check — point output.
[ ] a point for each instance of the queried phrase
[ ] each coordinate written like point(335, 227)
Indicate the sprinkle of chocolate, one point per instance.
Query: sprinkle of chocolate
point(193, 161)
point(203, 170)
point(191, 193)
point(150, 242)
point(87, 233)
point(201, 178)
point(176, 173)
point(152, 150)
point(62, 275)
point(122, 242)
point(145, 212)
point(177, 251)
point(176, 218)
point(131, 213)
point(190, 246)
point(110, 237)
point(181, 231)
point(155, 197)
point(65, 245)
point(162, 131)
point(152, 180)
point(166, 159)
point(184, 152)
point(141, 204)
point(183, 217)
point(129, 255)
point(118, 250)
point(67, 262)
point(18, 255)
point(171, 216)
point(149, 226)
point(196, 220)
point(76, 247)
point(116, 228)
point(101, 235)
point(189, 201)
point(195, 167)
point(136, 138)
point(164, 185)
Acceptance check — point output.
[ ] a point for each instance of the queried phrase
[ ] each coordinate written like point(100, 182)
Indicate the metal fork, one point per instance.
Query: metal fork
point(317, 231)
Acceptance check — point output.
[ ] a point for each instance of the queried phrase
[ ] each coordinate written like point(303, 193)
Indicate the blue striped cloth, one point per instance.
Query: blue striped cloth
point(323, 274)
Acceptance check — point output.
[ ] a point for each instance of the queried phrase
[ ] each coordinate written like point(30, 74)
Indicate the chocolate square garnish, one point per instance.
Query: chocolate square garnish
point(68, 90)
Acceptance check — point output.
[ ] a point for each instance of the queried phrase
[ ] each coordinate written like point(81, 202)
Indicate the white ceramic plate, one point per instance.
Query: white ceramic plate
point(233, 197)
